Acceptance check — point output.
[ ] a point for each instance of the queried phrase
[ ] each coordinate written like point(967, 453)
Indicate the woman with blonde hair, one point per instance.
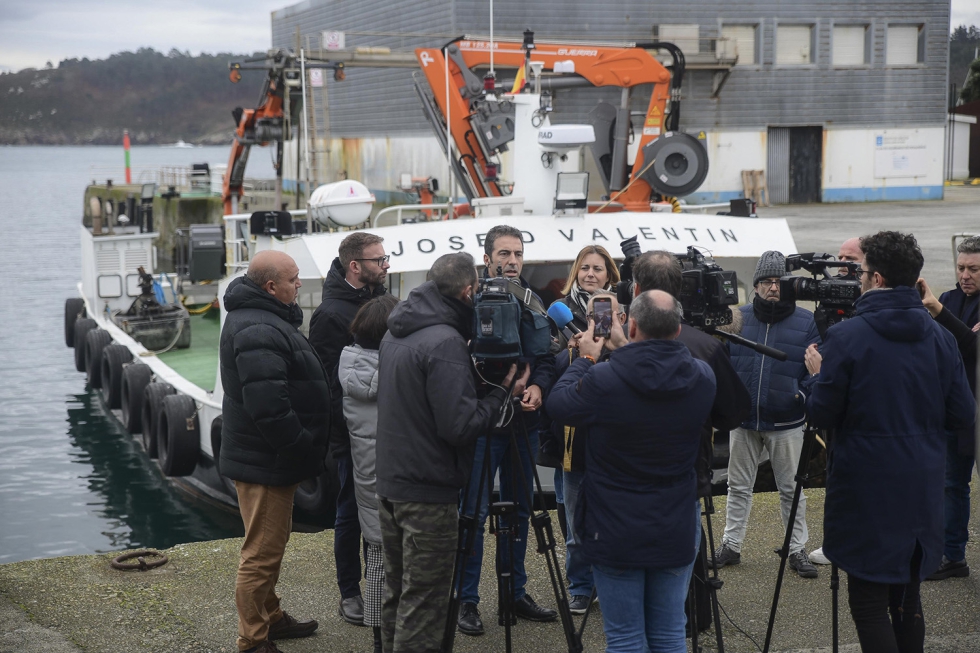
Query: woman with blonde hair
point(594, 269)
point(594, 272)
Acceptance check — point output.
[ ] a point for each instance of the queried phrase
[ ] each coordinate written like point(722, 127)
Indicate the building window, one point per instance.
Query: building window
point(852, 47)
point(794, 45)
point(685, 36)
point(905, 45)
point(738, 40)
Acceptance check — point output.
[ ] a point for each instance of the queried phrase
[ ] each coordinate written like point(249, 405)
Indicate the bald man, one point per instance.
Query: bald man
point(639, 516)
point(275, 420)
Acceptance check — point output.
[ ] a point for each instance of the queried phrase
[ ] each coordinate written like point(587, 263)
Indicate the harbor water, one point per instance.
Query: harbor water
point(71, 480)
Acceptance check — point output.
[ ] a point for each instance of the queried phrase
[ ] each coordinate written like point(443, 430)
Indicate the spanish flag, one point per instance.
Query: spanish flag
point(519, 81)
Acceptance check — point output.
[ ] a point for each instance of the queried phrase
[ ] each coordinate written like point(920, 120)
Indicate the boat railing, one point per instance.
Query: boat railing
point(238, 241)
point(393, 215)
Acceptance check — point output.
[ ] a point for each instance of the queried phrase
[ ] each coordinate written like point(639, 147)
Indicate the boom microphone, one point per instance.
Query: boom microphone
point(562, 315)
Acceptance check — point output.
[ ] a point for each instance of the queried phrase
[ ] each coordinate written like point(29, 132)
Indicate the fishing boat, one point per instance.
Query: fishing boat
point(148, 339)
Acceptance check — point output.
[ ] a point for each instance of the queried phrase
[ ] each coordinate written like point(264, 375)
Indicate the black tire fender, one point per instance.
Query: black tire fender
point(114, 358)
point(82, 328)
point(318, 495)
point(135, 378)
point(74, 310)
point(95, 341)
point(178, 435)
point(150, 411)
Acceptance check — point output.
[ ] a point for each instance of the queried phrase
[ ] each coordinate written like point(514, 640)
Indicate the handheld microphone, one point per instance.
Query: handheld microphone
point(562, 315)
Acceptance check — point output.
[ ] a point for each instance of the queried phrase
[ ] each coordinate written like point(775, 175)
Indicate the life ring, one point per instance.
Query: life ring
point(149, 413)
point(178, 435)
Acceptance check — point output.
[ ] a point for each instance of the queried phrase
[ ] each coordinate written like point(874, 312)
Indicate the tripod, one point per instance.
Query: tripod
point(713, 583)
point(504, 523)
point(802, 476)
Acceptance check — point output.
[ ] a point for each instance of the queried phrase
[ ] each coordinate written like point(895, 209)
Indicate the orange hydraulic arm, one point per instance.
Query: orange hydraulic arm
point(623, 67)
point(258, 126)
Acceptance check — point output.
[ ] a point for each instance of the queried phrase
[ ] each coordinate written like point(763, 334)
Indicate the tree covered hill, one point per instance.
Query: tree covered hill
point(159, 98)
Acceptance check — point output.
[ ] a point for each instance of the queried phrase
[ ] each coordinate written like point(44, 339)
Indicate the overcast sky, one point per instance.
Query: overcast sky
point(33, 32)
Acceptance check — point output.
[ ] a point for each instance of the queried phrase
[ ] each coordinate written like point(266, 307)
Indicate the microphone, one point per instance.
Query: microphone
point(562, 315)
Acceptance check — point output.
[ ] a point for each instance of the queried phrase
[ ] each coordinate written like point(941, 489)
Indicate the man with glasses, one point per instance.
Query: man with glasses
point(775, 422)
point(356, 276)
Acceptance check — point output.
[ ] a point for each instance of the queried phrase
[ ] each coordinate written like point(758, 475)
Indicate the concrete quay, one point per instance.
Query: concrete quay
point(79, 603)
point(71, 604)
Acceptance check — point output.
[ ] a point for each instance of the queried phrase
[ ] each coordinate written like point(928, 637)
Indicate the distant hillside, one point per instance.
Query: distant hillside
point(159, 98)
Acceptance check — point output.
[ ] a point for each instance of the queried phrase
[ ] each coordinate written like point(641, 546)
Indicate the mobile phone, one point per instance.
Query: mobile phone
point(603, 316)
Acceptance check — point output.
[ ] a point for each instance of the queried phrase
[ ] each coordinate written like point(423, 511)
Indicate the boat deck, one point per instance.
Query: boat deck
point(199, 362)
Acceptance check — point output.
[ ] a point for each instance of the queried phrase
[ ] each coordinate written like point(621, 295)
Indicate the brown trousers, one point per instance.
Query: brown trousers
point(267, 512)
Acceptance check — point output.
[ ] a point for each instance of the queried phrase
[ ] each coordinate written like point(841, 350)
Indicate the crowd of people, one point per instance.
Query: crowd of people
point(627, 422)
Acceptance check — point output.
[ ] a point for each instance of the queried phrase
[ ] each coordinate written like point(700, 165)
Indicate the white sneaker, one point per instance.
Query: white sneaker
point(818, 558)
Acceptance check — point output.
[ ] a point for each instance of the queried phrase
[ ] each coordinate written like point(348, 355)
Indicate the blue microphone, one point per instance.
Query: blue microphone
point(562, 315)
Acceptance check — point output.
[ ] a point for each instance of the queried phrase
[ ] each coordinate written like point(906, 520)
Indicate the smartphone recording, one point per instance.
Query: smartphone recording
point(603, 316)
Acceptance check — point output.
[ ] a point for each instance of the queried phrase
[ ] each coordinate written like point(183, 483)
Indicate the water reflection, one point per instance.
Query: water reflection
point(140, 507)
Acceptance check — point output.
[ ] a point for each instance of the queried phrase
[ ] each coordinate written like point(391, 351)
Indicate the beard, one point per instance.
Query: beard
point(369, 278)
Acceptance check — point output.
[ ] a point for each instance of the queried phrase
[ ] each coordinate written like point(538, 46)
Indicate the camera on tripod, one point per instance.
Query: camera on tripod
point(834, 295)
point(707, 290)
point(507, 329)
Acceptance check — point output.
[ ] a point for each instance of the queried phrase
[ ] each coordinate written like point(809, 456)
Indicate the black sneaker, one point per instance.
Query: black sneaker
point(579, 604)
point(800, 563)
point(469, 622)
point(950, 569)
point(724, 556)
point(526, 608)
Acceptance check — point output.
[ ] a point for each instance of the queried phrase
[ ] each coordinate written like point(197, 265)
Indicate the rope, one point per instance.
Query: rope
point(636, 178)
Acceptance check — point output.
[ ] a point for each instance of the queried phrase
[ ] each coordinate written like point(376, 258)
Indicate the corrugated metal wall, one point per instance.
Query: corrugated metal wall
point(777, 165)
point(382, 102)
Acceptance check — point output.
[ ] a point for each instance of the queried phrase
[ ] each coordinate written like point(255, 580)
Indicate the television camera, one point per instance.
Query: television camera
point(834, 295)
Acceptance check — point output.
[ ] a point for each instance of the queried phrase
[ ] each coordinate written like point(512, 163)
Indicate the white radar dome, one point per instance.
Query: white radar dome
point(343, 203)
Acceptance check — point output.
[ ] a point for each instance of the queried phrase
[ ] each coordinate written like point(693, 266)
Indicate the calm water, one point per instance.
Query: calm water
point(71, 480)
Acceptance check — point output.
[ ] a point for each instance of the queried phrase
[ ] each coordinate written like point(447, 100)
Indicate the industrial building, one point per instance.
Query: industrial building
point(836, 101)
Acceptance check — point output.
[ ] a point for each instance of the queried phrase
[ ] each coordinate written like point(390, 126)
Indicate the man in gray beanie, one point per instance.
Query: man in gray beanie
point(775, 423)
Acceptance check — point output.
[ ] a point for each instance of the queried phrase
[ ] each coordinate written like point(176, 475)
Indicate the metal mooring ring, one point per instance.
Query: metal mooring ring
point(141, 564)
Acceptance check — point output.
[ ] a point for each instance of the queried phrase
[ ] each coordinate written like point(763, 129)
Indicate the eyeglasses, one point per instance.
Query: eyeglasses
point(380, 261)
point(768, 283)
point(859, 271)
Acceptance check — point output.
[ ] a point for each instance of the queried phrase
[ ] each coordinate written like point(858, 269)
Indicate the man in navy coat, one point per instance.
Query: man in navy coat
point(638, 510)
point(892, 382)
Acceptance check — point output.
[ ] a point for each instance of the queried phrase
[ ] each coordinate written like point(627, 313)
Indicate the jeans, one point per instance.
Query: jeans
point(785, 448)
point(347, 532)
point(959, 471)
point(578, 570)
point(267, 513)
point(509, 484)
point(888, 618)
point(643, 609)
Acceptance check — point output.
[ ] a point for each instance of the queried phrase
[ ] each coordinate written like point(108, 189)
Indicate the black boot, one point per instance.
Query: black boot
point(377, 639)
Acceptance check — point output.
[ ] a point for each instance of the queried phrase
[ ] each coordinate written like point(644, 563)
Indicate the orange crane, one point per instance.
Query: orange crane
point(479, 128)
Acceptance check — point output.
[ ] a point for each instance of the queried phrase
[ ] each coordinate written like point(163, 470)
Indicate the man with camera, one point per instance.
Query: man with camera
point(504, 256)
point(660, 270)
point(429, 419)
point(892, 383)
point(356, 275)
point(638, 513)
point(775, 422)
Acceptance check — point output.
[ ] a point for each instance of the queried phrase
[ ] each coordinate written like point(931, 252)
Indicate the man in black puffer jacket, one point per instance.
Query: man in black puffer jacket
point(273, 435)
point(356, 276)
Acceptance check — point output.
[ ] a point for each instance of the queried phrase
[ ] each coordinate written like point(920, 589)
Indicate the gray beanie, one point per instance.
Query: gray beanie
point(771, 264)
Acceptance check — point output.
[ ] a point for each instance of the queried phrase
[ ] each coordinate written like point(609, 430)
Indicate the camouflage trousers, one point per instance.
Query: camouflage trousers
point(419, 542)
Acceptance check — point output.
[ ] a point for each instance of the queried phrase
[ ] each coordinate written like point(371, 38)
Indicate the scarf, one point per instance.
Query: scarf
point(772, 312)
point(580, 297)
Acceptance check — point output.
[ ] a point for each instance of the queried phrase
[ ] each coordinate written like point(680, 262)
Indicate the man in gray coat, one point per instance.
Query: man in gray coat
point(429, 418)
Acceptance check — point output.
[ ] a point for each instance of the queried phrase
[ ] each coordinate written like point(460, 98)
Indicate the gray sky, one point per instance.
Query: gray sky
point(33, 32)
